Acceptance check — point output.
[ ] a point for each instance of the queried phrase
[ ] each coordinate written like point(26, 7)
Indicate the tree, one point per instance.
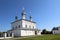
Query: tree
point(44, 31)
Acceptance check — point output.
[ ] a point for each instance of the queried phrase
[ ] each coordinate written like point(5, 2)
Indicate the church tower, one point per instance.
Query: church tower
point(23, 14)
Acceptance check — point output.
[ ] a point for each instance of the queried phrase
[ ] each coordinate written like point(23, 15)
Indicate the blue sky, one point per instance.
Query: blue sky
point(46, 13)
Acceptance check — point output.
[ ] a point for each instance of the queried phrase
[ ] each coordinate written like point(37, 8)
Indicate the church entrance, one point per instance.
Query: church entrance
point(35, 32)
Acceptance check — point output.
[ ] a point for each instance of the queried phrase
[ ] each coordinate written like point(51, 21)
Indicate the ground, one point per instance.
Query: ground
point(42, 37)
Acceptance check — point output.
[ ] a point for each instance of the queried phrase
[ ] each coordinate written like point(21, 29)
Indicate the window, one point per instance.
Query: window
point(25, 26)
point(33, 26)
point(19, 26)
point(16, 27)
point(54, 32)
point(29, 26)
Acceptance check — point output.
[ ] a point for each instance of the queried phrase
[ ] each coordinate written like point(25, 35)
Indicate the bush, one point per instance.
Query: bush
point(44, 31)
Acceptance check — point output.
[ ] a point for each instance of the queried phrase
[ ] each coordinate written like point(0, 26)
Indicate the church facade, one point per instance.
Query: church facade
point(24, 27)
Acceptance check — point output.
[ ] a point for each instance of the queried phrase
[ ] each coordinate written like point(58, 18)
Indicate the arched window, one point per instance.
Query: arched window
point(29, 26)
point(19, 26)
point(25, 26)
point(33, 26)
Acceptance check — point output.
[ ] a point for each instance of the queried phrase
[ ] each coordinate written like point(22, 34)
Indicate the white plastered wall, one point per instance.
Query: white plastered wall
point(56, 31)
point(16, 24)
point(17, 32)
point(28, 24)
point(27, 32)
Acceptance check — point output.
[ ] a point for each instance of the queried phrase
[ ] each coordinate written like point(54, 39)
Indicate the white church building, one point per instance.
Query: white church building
point(24, 27)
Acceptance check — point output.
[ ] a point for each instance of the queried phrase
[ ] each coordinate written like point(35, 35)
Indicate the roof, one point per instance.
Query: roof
point(23, 19)
point(56, 28)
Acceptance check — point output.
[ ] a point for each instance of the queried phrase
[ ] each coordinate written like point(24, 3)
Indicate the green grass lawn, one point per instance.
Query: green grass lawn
point(43, 37)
